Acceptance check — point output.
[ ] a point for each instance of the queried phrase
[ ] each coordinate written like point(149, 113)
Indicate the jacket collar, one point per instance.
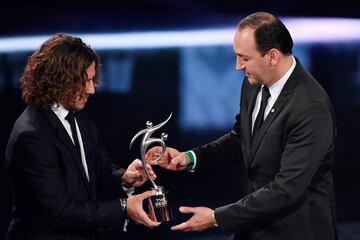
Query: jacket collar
point(276, 109)
point(64, 137)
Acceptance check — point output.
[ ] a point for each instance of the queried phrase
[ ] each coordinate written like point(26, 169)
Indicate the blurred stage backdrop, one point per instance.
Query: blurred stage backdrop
point(176, 56)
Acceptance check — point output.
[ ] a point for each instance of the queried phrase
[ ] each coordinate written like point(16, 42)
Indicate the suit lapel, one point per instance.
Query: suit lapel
point(65, 138)
point(253, 94)
point(276, 109)
point(249, 106)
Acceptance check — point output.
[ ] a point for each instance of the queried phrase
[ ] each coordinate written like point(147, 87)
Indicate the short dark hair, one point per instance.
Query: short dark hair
point(57, 71)
point(270, 32)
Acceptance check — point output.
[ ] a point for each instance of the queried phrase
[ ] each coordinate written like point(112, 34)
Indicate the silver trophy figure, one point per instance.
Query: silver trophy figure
point(159, 208)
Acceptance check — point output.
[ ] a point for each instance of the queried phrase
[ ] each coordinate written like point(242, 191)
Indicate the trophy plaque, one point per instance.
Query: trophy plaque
point(159, 208)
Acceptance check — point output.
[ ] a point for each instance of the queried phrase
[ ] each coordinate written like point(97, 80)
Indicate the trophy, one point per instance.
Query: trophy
point(159, 208)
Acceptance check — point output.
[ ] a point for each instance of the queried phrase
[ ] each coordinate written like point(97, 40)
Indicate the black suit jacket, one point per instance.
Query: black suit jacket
point(52, 197)
point(288, 165)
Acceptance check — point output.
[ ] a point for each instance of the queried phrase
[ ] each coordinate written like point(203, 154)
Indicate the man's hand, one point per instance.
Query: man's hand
point(202, 219)
point(171, 160)
point(136, 212)
point(135, 174)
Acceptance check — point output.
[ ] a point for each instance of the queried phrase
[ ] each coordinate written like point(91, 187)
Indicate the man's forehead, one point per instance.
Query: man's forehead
point(245, 33)
point(244, 40)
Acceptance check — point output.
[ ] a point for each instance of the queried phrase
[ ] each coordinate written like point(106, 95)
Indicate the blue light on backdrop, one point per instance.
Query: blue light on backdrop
point(209, 85)
point(303, 30)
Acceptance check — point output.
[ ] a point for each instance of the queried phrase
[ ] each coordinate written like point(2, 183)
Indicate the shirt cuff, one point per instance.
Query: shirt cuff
point(214, 219)
point(128, 190)
point(192, 161)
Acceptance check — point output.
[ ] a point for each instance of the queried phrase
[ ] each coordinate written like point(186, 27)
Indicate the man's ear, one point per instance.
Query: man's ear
point(273, 56)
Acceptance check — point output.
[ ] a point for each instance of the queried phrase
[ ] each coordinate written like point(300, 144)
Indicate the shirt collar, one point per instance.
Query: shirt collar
point(59, 110)
point(276, 88)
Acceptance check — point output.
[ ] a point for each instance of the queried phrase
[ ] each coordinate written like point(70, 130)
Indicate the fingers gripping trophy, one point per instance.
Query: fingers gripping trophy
point(159, 208)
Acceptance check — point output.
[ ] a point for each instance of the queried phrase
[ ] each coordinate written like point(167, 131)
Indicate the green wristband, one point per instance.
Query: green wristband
point(191, 160)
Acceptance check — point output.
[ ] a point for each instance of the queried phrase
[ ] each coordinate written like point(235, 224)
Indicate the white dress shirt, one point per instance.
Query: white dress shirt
point(275, 91)
point(61, 113)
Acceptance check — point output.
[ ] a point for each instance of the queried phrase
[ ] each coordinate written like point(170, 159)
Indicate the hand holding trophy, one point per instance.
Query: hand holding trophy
point(159, 208)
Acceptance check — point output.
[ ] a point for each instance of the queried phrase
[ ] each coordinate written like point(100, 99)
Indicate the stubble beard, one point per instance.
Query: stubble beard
point(252, 81)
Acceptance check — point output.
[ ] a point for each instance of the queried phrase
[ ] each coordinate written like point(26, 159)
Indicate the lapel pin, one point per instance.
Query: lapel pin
point(273, 110)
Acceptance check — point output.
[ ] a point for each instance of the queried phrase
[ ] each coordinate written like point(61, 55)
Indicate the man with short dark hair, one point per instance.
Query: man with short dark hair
point(284, 136)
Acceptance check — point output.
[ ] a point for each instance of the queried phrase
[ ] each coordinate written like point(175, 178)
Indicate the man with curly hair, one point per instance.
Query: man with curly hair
point(64, 185)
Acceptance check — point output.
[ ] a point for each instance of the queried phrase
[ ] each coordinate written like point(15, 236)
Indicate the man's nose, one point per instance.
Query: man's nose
point(239, 64)
point(90, 87)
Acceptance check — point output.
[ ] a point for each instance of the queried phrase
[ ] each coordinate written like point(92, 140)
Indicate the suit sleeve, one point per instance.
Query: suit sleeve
point(308, 142)
point(108, 175)
point(109, 178)
point(39, 175)
point(222, 152)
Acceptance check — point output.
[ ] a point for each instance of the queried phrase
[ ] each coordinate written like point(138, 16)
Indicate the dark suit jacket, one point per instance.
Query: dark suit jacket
point(52, 197)
point(288, 165)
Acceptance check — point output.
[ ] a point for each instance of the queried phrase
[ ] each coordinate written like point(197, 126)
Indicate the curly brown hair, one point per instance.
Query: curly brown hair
point(57, 71)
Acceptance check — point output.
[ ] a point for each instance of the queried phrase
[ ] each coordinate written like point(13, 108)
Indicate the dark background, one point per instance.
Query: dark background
point(120, 115)
point(18, 17)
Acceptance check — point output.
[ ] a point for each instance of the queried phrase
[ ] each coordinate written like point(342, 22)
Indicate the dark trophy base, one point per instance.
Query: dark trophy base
point(159, 207)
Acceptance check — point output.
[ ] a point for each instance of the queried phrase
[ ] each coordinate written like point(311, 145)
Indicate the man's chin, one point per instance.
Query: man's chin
point(80, 104)
point(252, 81)
point(78, 107)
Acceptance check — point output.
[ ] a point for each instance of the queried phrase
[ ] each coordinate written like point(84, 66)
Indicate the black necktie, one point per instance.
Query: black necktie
point(265, 94)
point(71, 119)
